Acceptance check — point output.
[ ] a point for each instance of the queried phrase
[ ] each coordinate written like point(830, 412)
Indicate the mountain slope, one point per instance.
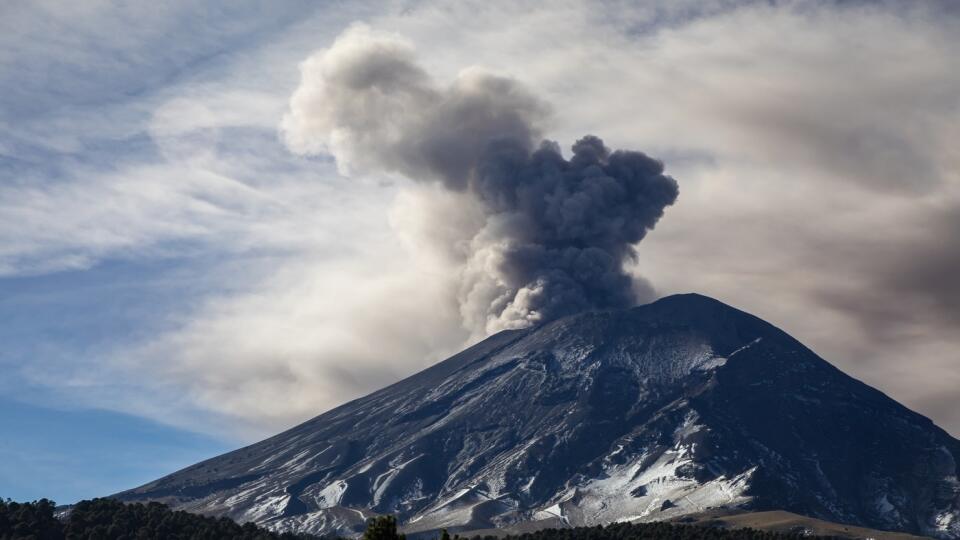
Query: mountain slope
point(650, 413)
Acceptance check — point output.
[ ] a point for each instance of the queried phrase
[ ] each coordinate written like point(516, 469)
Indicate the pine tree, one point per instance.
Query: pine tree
point(382, 528)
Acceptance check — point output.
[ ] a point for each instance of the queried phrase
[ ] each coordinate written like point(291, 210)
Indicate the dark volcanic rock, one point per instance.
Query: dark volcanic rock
point(650, 413)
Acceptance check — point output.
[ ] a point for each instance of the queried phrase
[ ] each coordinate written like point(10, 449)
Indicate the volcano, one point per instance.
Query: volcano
point(673, 408)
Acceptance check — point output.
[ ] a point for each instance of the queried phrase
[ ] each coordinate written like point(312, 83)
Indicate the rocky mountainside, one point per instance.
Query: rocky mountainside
point(667, 409)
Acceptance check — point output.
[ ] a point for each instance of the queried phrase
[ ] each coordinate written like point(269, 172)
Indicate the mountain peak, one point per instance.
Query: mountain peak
point(654, 412)
point(690, 299)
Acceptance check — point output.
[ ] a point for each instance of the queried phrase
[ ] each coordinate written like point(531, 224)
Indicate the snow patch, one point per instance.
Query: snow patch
point(331, 495)
point(555, 511)
point(641, 490)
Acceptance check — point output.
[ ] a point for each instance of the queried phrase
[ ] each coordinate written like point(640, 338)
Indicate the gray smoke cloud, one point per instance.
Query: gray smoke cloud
point(552, 235)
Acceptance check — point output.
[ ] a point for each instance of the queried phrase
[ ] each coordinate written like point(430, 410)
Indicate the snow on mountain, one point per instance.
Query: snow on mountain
point(655, 412)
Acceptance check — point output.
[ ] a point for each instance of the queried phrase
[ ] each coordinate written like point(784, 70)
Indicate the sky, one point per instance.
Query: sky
point(199, 247)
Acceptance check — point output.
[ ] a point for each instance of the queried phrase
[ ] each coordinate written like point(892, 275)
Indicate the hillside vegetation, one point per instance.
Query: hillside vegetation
point(109, 519)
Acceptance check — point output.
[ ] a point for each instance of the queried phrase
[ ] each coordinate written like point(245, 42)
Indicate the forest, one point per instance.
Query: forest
point(109, 519)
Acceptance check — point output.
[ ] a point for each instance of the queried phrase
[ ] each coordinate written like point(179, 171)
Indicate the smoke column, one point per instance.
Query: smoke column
point(553, 234)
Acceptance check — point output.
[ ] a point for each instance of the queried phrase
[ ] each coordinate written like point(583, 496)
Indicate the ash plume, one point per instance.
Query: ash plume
point(550, 236)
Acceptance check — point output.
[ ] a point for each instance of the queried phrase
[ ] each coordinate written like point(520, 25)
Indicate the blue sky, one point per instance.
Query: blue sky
point(176, 281)
point(60, 454)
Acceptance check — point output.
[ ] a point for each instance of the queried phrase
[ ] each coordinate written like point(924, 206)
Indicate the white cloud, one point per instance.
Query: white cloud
point(313, 335)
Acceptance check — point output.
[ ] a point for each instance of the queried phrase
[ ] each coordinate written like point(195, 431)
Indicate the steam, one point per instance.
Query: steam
point(550, 236)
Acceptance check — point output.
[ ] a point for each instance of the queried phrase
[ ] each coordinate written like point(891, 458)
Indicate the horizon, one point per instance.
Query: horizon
point(219, 222)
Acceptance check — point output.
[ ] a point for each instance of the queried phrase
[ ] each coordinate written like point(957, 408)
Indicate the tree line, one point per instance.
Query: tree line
point(385, 528)
point(109, 519)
